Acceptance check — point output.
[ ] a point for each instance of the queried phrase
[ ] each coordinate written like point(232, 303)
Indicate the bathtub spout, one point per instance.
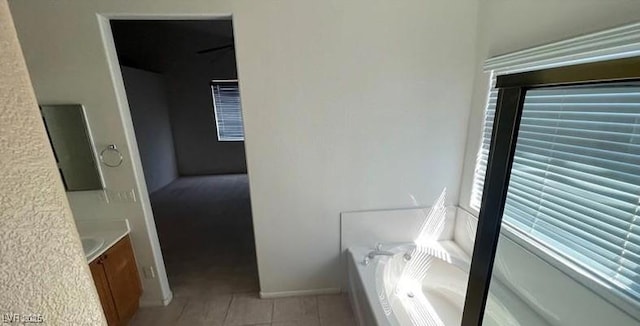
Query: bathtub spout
point(375, 253)
point(367, 259)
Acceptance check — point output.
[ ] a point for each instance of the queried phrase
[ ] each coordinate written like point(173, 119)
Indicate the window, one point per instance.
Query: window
point(575, 182)
point(227, 110)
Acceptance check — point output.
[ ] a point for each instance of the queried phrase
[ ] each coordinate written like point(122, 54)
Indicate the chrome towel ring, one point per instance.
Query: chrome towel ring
point(113, 149)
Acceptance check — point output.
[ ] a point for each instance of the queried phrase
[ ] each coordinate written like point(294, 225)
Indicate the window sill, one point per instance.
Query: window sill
point(231, 140)
point(572, 270)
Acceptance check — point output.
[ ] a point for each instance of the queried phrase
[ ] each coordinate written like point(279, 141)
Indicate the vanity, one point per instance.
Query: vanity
point(110, 256)
point(106, 243)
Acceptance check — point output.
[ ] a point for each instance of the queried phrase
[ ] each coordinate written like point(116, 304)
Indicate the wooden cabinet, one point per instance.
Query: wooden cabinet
point(102, 285)
point(116, 277)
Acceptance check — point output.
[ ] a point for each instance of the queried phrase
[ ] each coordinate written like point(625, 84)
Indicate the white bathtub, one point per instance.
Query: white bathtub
point(438, 300)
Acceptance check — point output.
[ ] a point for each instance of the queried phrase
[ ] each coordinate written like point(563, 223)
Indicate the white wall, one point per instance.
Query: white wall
point(43, 271)
point(347, 104)
point(147, 97)
point(507, 26)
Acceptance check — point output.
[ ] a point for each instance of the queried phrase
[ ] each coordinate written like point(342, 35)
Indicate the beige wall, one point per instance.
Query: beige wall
point(42, 267)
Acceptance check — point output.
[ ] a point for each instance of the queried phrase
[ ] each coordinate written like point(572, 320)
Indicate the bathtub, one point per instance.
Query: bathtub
point(378, 299)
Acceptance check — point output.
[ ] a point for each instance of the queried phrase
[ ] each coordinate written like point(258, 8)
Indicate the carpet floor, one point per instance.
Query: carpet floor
point(206, 234)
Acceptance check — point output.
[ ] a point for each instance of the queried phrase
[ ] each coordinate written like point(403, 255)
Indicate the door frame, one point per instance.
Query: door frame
point(124, 110)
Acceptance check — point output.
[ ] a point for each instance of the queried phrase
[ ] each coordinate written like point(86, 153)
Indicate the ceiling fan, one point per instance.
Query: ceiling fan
point(217, 48)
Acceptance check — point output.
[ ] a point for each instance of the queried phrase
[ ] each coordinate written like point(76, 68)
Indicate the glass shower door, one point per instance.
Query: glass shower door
point(559, 229)
point(572, 202)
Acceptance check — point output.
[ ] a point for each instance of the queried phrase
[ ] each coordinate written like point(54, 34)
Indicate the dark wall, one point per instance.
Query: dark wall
point(194, 128)
point(149, 107)
point(171, 48)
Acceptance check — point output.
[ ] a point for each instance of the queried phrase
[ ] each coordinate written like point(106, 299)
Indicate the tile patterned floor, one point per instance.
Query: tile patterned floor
point(205, 231)
point(242, 309)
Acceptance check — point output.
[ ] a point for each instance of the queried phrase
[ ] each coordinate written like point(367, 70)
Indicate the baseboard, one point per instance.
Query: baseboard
point(156, 302)
point(298, 293)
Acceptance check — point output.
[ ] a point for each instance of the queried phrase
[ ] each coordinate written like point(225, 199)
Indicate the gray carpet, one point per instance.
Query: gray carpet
point(206, 234)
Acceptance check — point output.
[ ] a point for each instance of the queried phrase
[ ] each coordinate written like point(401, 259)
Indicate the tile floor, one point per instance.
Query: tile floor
point(242, 309)
point(205, 231)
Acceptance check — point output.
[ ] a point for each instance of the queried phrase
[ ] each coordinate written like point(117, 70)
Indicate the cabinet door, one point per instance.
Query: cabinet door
point(122, 275)
point(102, 285)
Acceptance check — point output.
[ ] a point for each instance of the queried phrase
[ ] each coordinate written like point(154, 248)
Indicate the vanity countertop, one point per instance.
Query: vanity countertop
point(106, 233)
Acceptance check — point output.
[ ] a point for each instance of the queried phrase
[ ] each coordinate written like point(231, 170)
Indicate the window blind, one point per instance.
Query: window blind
point(483, 153)
point(227, 110)
point(574, 187)
point(575, 180)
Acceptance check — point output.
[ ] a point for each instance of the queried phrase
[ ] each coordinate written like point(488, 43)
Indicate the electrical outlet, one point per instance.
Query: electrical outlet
point(149, 272)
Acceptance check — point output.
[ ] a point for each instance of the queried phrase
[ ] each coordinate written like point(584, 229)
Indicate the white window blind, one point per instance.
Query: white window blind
point(575, 181)
point(483, 153)
point(227, 110)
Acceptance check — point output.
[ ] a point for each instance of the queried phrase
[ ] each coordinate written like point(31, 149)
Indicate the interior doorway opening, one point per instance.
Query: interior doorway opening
point(181, 83)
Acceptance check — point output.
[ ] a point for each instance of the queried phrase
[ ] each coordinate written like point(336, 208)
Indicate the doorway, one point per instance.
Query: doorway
point(181, 84)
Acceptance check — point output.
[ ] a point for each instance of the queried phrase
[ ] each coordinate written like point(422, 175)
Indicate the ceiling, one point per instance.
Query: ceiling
point(157, 45)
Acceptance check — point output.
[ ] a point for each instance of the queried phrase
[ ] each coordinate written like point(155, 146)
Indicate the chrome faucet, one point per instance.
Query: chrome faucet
point(376, 252)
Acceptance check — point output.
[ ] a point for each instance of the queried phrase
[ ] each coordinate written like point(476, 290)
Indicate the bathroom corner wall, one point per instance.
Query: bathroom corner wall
point(43, 271)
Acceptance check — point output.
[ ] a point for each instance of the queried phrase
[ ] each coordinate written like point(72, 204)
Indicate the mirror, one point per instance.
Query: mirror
point(67, 129)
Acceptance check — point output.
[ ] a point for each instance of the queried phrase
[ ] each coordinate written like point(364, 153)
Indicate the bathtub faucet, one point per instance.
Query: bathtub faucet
point(377, 252)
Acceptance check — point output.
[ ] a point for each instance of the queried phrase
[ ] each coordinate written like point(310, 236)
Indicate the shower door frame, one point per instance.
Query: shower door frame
point(512, 91)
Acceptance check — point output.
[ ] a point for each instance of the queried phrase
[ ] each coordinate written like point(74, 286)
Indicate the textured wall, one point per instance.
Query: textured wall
point(42, 267)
